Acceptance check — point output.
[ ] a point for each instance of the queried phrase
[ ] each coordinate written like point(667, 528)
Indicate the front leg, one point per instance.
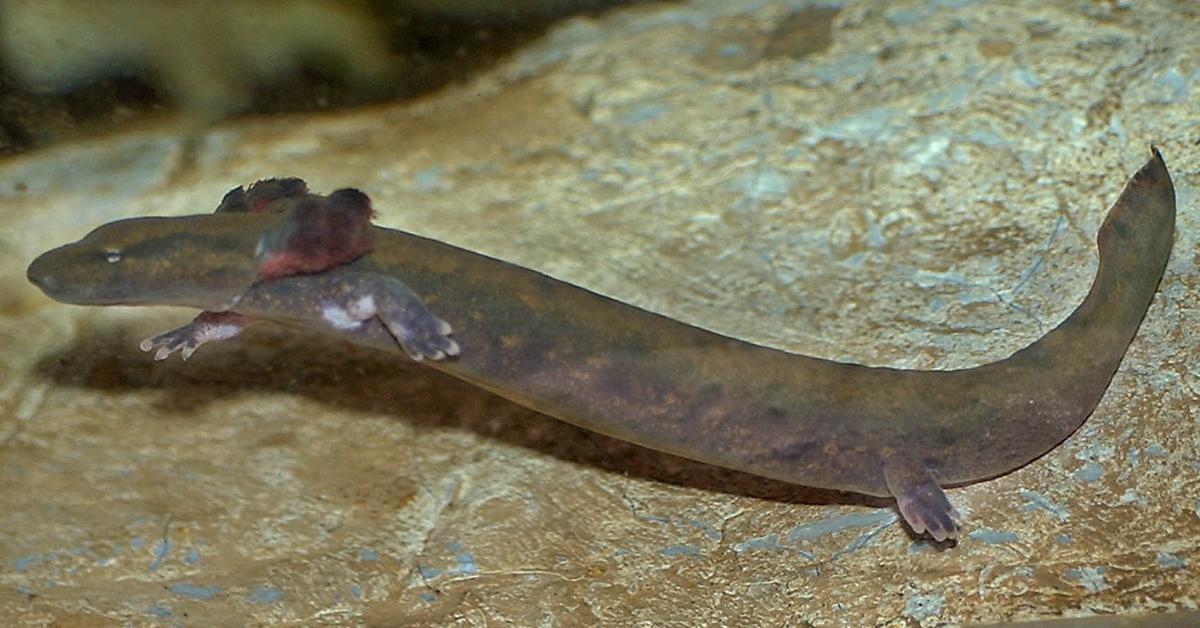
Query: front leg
point(207, 327)
point(348, 301)
point(342, 299)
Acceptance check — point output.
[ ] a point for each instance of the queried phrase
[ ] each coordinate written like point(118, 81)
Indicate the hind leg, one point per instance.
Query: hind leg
point(921, 500)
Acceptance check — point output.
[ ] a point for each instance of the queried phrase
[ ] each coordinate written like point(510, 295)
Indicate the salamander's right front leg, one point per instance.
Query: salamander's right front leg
point(206, 327)
point(358, 297)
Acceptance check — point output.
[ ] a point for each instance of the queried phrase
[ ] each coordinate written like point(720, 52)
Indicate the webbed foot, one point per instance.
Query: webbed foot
point(922, 502)
point(207, 327)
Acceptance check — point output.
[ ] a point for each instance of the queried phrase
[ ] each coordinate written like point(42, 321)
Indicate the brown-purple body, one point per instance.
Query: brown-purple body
point(620, 370)
point(663, 384)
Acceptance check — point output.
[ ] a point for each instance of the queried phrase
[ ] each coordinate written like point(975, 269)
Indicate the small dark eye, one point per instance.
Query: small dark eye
point(112, 257)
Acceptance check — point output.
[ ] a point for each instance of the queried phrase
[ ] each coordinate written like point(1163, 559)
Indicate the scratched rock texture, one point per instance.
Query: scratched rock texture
point(914, 185)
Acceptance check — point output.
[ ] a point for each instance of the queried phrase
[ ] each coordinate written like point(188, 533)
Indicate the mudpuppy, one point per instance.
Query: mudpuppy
point(277, 252)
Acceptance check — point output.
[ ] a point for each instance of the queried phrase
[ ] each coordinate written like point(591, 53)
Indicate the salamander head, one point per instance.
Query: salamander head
point(199, 261)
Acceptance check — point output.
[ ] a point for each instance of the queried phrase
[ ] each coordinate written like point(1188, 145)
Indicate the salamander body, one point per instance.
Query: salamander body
point(642, 377)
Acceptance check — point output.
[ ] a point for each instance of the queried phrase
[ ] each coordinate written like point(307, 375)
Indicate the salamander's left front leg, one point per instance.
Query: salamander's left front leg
point(206, 327)
point(359, 297)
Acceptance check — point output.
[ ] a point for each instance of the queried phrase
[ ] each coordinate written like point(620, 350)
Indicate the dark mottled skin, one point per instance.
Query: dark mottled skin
point(663, 384)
